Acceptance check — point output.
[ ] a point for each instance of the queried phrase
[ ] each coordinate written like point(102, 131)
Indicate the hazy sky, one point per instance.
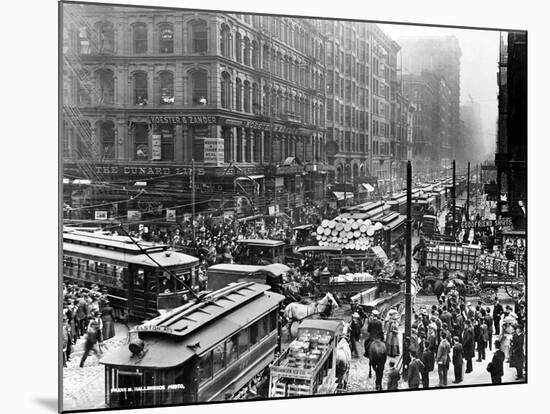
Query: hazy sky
point(478, 68)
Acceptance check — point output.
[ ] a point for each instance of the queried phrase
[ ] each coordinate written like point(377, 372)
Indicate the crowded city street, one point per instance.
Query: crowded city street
point(263, 207)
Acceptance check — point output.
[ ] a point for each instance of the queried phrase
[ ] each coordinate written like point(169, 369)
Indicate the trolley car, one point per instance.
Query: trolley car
point(136, 285)
point(209, 350)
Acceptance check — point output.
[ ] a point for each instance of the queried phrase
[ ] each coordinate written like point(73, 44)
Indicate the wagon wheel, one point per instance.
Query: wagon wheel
point(513, 291)
point(488, 295)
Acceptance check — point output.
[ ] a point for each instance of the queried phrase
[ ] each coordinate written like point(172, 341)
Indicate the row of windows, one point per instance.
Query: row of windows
point(92, 271)
point(102, 38)
point(234, 348)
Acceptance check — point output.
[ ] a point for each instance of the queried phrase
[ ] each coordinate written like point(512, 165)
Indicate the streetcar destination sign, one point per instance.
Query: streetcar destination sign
point(153, 328)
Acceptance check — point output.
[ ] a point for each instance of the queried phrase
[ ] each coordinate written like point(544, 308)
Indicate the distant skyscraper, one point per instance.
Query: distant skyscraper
point(440, 55)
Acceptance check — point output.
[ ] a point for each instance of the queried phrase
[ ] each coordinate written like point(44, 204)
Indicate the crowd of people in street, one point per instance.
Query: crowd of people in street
point(87, 314)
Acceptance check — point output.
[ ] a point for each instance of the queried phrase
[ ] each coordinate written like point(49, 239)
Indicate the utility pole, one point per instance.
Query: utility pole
point(408, 258)
point(193, 197)
point(468, 194)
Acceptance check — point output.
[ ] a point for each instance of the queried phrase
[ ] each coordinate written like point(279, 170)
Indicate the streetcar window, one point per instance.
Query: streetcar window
point(244, 341)
point(273, 321)
point(231, 348)
point(218, 358)
point(205, 367)
point(139, 279)
point(262, 327)
point(254, 337)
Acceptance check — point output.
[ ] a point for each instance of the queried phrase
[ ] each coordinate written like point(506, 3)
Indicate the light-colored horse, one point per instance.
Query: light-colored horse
point(343, 358)
point(298, 311)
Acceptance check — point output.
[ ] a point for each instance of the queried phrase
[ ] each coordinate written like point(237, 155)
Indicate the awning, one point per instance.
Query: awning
point(368, 187)
point(340, 195)
point(250, 177)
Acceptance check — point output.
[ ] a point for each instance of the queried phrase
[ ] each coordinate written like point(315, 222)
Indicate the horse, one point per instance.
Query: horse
point(297, 311)
point(378, 354)
point(343, 358)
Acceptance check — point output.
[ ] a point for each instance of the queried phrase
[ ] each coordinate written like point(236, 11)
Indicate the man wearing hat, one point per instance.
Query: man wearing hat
point(495, 367)
point(442, 359)
point(458, 363)
point(497, 313)
point(468, 345)
point(517, 356)
point(375, 331)
point(356, 325)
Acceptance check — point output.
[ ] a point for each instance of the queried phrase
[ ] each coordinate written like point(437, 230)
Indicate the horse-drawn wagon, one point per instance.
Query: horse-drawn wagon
point(494, 273)
point(308, 365)
point(386, 294)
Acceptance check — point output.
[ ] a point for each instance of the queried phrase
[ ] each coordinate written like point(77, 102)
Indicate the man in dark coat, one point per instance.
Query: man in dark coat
point(517, 356)
point(413, 373)
point(356, 325)
point(495, 367)
point(468, 345)
point(82, 311)
point(429, 361)
point(458, 356)
point(497, 313)
point(446, 317)
point(489, 322)
point(442, 359)
point(393, 377)
point(375, 330)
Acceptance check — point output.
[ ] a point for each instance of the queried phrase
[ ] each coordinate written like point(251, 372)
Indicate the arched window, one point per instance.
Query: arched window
point(84, 41)
point(265, 60)
point(255, 54)
point(226, 90)
point(106, 86)
point(255, 99)
point(238, 47)
point(140, 88)
point(199, 87)
point(265, 102)
point(166, 38)
point(238, 94)
point(225, 41)
point(106, 33)
point(83, 92)
point(246, 96)
point(199, 36)
point(140, 38)
point(107, 134)
point(166, 88)
point(246, 53)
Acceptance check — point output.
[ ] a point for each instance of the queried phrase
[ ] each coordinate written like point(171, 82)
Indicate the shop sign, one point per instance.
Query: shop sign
point(134, 215)
point(101, 215)
point(505, 221)
point(200, 119)
point(213, 151)
point(156, 147)
point(170, 215)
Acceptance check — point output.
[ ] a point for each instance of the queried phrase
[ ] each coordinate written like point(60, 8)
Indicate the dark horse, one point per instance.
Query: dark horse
point(377, 354)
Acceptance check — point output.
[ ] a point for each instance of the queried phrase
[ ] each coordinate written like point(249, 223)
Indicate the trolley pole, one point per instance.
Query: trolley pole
point(468, 195)
point(453, 198)
point(193, 197)
point(408, 258)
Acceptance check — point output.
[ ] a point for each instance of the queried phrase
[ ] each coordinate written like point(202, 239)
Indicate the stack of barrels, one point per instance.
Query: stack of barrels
point(347, 233)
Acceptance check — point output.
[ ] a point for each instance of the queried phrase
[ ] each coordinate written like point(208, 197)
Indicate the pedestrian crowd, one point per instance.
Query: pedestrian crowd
point(453, 334)
point(86, 314)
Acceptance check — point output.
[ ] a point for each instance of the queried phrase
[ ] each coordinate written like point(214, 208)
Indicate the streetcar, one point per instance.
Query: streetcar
point(260, 251)
point(214, 349)
point(139, 281)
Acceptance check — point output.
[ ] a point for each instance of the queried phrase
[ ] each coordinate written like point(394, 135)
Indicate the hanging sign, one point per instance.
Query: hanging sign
point(156, 147)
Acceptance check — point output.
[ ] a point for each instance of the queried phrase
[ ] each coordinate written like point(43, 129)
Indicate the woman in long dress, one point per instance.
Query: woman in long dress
point(507, 330)
point(392, 333)
point(108, 321)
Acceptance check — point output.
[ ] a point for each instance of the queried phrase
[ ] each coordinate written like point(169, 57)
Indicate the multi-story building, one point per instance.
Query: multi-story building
point(440, 55)
point(363, 123)
point(158, 97)
point(472, 148)
point(511, 156)
point(431, 98)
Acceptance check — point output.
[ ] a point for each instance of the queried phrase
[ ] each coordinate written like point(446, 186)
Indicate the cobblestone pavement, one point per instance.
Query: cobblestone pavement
point(84, 388)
